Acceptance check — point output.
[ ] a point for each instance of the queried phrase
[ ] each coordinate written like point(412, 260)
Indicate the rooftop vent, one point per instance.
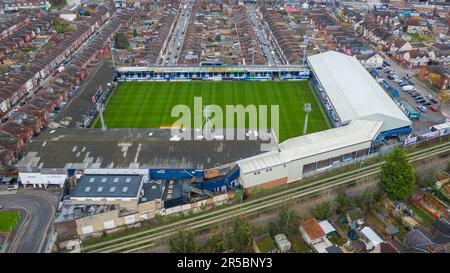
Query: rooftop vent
point(87, 189)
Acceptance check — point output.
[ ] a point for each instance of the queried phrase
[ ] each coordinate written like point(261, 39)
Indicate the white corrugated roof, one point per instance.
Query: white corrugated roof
point(353, 92)
point(357, 131)
point(372, 236)
point(326, 227)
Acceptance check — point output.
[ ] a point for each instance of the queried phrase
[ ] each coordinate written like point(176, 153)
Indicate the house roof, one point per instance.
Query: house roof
point(313, 229)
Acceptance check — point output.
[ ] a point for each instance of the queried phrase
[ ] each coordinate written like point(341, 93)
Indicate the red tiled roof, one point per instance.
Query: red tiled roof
point(313, 229)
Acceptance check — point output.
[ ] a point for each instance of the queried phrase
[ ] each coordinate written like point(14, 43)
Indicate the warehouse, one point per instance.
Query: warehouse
point(298, 157)
point(349, 92)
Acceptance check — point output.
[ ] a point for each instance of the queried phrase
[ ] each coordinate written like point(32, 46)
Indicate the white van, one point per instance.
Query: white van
point(408, 88)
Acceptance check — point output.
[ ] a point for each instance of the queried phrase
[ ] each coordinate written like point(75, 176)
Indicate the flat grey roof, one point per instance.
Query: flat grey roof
point(97, 186)
point(57, 150)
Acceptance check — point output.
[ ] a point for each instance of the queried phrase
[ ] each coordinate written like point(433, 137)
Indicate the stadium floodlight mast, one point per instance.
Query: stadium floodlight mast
point(101, 108)
point(207, 121)
point(306, 108)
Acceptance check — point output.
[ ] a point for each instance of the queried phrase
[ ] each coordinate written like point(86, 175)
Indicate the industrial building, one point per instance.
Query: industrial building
point(349, 92)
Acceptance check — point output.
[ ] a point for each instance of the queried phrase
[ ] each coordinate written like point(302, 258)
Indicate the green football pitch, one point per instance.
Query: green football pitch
point(149, 104)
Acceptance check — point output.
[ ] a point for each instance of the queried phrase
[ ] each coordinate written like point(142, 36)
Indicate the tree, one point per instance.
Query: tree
point(397, 175)
point(341, 203)
point(288, 220)
point(121, 40)
point(183, 242)
point(58, 26)
point(135, 33)
point(217, 244)
point(273, 228)
point(218, 38)
point(242, 235)
point(322, 211)
point(444, 98)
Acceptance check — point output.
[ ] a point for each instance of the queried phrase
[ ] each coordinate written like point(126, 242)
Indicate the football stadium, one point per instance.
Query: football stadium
point(149, 104)
point(352, 119)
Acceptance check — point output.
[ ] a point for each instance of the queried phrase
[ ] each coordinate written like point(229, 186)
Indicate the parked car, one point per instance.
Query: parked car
point(427, 103)
point(420, 101)
point(422, 108)
point(4, 120)
point(1, 206)
point(434, 108)
point(433, 100)
point(408, 87)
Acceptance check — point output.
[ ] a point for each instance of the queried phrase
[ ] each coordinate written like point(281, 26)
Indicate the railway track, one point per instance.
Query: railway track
point(147, 238)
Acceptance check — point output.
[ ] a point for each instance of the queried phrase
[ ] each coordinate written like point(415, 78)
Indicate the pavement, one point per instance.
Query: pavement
point(40, 205)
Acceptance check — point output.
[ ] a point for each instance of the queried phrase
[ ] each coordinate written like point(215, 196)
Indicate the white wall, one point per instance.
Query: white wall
point(294, 169)
point(42, 180)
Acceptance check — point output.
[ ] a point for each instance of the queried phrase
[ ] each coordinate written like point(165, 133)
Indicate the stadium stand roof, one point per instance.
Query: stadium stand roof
point(60, 149)
point(174, 69)
point(357, 131)
point(353, 92)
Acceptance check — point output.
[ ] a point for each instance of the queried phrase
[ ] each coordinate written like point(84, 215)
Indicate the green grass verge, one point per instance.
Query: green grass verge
point(9, 220)
point(427, 221)
point(149, 104)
